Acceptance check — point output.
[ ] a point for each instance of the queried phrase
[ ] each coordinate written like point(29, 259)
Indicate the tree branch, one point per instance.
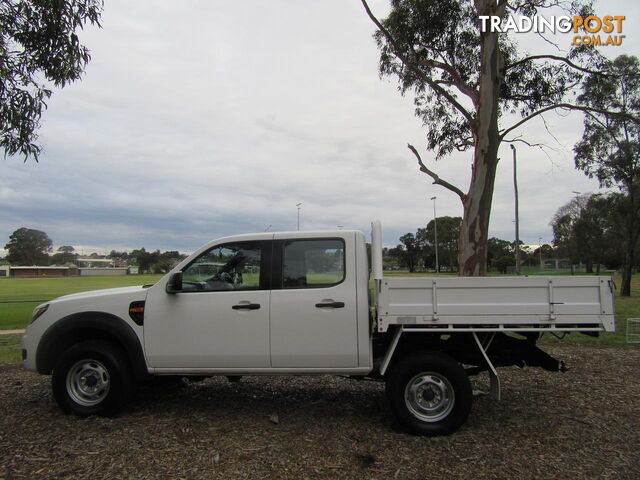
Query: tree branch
point(557, 58)
point(412, 65)
point(456, 79)
point(539, 145)
point(567, 106)
point(436, 179)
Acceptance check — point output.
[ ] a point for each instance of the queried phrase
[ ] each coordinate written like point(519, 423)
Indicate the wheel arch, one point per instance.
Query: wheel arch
point(90, 326)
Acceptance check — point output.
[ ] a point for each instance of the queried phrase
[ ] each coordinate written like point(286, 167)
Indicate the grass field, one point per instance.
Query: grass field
point(18, 297)
point(9, 348)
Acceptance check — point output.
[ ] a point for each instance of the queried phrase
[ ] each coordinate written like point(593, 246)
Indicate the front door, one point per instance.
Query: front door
point(313, 303)
point(220, 319)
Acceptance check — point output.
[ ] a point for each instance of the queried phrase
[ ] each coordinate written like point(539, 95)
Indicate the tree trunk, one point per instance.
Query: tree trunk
point(633, 231)
point(629, 259)
point(627, 271)
point(474, 231)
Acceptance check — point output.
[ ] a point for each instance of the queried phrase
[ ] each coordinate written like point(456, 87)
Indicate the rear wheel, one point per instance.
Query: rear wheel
point(92, 378)
point(429, 394)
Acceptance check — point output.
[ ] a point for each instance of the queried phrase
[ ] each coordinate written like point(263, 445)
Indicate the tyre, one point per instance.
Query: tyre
point(92, 378)
point(429, 394)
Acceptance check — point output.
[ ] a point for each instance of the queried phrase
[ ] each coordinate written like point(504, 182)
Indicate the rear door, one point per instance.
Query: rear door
point(313, 302)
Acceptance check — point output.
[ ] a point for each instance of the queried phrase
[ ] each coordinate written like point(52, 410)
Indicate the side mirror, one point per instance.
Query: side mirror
point(174, 285)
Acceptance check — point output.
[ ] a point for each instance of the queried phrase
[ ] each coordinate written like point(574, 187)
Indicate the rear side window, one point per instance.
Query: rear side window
point(313, 263)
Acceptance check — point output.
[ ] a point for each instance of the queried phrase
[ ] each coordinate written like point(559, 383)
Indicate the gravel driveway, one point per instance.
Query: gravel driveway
point(585, 423)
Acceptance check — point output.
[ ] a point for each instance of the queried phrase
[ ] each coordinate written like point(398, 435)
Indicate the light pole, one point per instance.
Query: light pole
point(540, 251)
point(298, 205)
point(435, 232)
point(515, 187)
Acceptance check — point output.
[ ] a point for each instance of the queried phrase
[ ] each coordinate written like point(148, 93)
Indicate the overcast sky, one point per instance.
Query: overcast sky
point(198, 119)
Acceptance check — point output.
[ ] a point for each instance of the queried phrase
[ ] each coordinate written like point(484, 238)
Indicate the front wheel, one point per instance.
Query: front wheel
point(92, 378)
point(429, 394)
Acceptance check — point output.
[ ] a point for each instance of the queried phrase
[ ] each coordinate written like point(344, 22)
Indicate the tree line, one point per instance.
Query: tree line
point(599, 229)
point(417, 251)
point(28, 247)
point(591, 230)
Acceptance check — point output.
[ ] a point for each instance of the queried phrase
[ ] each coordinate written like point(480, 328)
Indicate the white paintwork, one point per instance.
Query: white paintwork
point(449, 302)
point(305, 336)
point(376, 249)
point(113, 300)
point(365, 350)
point(199, 332)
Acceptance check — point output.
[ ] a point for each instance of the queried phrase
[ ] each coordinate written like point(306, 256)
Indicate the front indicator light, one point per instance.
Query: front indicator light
point(136, 312)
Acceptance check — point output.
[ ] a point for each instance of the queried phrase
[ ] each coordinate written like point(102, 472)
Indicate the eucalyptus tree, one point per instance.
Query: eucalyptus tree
point(465, 78)
point(610, 148)
point(39, 50)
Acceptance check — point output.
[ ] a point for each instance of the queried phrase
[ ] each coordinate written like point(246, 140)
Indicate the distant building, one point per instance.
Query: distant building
point(89, 262)
point(98, 271)
point(38, 271)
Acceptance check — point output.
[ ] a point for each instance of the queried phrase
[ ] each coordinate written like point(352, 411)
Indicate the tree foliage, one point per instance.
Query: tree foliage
point(464, 80)
point(448, 234)
point(156, 262)
point(435, 54)
point(39, 50)
point(610, 148)
point(416, 251)
point(64, 255)
point(500, 254)
point(587, 230)
point(28, 247)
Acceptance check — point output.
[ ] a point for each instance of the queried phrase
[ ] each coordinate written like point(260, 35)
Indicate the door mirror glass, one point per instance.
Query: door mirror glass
point(174, 285)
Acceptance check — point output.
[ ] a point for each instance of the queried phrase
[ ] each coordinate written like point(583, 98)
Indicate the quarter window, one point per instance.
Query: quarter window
point(313, 263)
point(225, 267)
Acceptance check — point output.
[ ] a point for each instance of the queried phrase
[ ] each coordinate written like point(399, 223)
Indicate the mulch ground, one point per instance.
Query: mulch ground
point(581, 424)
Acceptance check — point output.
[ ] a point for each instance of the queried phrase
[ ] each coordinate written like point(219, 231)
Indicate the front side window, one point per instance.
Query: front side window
point(225, 267)
point(312, 263)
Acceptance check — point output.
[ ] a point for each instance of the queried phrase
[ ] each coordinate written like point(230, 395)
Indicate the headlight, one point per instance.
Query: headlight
point(39, 311)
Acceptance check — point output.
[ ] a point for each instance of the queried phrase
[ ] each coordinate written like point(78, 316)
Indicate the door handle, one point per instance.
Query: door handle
point(330, 305)
point(246, 306)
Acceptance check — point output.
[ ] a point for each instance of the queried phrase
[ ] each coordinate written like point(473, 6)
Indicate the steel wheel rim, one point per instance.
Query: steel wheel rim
point(88, 382)
point(429, 396)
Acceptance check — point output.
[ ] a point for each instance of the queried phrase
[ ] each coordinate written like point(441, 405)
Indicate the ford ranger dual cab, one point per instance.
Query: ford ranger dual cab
point(299, 303)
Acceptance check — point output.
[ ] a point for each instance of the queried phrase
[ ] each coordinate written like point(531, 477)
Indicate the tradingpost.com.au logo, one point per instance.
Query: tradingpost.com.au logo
point(591, 30)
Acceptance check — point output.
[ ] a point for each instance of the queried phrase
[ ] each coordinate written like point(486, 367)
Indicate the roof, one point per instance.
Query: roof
point(39, 267)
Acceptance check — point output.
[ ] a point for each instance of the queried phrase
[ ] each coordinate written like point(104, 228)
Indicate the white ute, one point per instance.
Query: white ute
point(298, 303)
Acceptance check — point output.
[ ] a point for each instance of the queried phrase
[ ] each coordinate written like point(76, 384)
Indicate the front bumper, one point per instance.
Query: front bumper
point(28, 353)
